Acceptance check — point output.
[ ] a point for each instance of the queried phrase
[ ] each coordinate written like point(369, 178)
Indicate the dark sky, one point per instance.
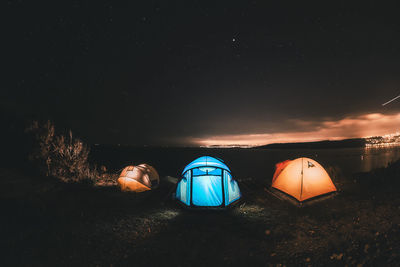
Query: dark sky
point(179, 72)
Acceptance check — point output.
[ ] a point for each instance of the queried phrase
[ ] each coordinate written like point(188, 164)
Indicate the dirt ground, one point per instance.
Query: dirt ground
point(47, 223)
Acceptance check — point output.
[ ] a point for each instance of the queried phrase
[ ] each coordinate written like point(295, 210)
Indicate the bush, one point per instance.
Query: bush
point(60, 156)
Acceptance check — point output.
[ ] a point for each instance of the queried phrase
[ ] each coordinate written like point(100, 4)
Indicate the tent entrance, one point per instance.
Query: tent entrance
point(207, 190)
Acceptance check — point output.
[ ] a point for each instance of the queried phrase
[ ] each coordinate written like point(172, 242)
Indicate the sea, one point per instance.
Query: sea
point(245, 163)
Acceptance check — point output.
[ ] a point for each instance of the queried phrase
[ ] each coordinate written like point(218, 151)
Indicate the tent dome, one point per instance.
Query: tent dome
point(138, 178)
point(206, 161)
point(302, 178)
point(207, 182)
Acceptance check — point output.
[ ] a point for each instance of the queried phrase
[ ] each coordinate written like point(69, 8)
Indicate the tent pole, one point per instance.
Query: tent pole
point(223, 187)
point(302, 175)
point(191, 188)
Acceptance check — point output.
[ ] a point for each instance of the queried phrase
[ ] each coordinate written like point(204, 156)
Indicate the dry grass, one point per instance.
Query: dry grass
point(64, 156)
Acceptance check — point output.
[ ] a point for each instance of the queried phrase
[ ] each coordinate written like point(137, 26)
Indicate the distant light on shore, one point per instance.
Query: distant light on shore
point(228, 146)
point(387, 140)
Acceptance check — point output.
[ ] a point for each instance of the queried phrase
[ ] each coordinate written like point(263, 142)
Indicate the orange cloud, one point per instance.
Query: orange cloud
point(365, 125)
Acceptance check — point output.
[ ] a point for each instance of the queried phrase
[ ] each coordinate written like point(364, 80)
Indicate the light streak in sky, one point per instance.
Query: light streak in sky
point(384, 104)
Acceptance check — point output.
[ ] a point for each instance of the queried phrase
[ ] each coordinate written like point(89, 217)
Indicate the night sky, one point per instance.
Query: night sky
point(204, 72)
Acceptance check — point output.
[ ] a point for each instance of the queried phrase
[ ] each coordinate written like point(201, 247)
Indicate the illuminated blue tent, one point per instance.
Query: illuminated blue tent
point(207, 182)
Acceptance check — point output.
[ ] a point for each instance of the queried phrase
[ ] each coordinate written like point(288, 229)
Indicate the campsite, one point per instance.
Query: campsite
point(52, 223)
point(200, 133)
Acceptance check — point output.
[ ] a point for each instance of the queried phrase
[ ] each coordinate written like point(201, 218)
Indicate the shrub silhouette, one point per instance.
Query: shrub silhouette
point(63, 156)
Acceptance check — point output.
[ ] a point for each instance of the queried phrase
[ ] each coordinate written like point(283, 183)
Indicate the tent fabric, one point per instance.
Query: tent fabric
point(207, 182)
point(233, 192)
point(128, 184)
point(207, 191)
point(183, 189)
point(151, 173)
point(206, 161)
point(302, 178)
point(279, 168)
point(138, 178)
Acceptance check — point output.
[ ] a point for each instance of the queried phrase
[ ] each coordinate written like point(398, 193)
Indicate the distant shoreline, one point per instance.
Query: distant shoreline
point(346, 143)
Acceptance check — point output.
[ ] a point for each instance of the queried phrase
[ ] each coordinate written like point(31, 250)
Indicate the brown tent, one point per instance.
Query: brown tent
point(302, 178)
point(138, 178)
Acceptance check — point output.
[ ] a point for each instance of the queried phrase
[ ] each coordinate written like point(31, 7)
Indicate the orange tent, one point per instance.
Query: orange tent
point(302, 178)
point(138, 178)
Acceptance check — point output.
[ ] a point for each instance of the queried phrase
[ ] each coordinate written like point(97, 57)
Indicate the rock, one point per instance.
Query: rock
point(337, 256)
point(366, 247)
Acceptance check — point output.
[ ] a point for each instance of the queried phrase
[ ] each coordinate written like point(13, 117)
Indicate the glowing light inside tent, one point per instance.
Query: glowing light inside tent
point(207, 182)
point(302, 178)
point(207, 169)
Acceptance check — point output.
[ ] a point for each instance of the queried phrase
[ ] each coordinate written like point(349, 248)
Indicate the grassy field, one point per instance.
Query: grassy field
point(46, 222)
